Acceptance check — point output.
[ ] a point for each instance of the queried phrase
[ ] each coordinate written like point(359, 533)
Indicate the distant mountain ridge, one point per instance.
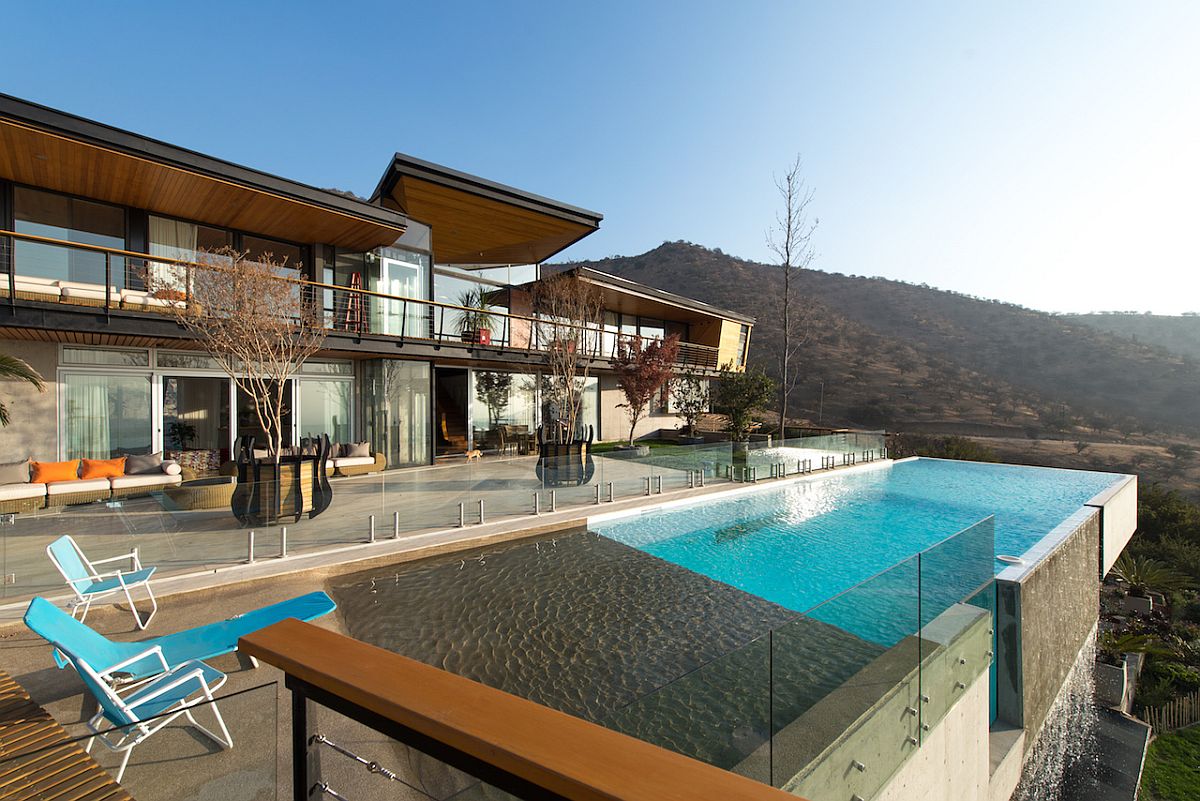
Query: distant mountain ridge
point(888, 353)
point(1179, 335)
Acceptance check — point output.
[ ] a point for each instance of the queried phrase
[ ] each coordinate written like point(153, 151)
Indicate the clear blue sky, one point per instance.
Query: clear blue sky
point(1041, 153)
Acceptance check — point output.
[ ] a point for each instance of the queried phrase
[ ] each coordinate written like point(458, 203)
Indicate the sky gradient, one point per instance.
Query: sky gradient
point(1043, 154)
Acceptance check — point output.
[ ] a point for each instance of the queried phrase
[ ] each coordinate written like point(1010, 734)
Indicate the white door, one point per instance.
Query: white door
point(400, 279)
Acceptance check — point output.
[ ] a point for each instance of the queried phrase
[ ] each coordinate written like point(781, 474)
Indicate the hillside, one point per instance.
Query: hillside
point(887, 353)
point(1180, 335)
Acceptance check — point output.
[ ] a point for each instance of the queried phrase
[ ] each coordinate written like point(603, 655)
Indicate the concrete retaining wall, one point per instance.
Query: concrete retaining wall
point(1118, 520)
point(1045, 614)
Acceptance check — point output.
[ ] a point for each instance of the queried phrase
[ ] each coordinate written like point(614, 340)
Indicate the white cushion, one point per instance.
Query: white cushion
point(15, 492)
point(133, 297)
point(32, 284)
point(352, 461)
point(171, 468)
point(74, 289)
point(145, 480)
point(79, 485)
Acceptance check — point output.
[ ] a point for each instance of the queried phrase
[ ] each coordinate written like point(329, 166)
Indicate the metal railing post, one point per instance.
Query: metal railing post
point(107, 284)
point(395, 525)
point(461, 515)
point(371, 530)
point(553, 501)
point(283, 542)
point(610, 492)
point(250, 547)
point(537, 504)
point(481, 511)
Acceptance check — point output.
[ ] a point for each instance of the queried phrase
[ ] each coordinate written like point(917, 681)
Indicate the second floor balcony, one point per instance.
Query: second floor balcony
point(36, 270)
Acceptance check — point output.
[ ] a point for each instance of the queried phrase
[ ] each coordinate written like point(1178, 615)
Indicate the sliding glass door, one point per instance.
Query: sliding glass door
point(106, 415)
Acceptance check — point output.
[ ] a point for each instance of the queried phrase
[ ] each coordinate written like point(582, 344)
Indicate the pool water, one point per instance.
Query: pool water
point(800, 545)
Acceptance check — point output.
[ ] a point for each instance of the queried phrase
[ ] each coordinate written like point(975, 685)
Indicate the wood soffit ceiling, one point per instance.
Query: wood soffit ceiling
point(41, 157)
point(479, 222)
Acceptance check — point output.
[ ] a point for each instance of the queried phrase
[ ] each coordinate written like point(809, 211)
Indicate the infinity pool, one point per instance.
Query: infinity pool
point(799, 545)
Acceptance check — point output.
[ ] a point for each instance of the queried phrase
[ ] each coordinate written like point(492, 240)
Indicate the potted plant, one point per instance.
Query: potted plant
point(476, 318)
point(1112, 651)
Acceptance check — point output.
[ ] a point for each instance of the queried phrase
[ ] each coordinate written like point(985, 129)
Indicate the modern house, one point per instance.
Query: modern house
point(85, 207)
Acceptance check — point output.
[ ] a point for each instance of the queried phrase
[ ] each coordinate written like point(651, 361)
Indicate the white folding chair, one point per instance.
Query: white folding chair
point(90, 585)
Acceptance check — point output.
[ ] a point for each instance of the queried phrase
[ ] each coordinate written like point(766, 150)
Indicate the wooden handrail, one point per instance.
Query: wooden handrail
point(545, 748)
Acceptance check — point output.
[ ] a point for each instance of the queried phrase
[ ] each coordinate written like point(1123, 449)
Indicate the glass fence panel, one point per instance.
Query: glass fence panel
point(846, 678)
point(957, 576)
point(719, 713)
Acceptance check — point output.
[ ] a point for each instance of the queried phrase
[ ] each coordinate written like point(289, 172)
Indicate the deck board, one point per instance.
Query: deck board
point(39, 761)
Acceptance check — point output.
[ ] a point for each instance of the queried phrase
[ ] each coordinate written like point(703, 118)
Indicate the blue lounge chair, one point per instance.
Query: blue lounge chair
point(129, 716)
point(141, 660)
point(91, 585)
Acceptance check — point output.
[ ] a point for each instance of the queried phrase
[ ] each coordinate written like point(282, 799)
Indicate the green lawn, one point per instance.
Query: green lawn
point(605, 447)
point(1172, 770)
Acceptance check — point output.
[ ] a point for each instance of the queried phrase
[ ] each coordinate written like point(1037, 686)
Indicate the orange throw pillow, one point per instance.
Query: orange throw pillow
point(103, 468)
point(45, 472)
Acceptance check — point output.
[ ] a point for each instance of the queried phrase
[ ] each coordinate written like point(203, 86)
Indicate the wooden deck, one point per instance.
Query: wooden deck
point(38, 762)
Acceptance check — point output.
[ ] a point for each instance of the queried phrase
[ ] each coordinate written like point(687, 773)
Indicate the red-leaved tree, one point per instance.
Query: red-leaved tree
point(642, 369)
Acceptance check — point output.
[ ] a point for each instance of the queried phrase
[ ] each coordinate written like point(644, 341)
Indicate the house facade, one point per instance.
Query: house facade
point(85, 209)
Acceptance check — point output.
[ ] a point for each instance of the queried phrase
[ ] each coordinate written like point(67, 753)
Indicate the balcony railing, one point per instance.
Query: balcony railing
point(111, 280)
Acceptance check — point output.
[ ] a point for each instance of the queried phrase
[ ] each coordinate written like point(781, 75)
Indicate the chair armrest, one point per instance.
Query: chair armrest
point(132, 555)
point(156, 689)
point(154, 650)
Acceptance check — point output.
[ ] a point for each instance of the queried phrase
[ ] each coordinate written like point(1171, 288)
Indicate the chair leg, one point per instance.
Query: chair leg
point(124, 763)
point(227, 741)
point(137, 618)
point(85, 605)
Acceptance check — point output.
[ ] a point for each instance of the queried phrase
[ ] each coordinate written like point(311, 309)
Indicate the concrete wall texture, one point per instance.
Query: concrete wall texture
point(614, 425)
point(33, 431)
point(952, 762)
point(1058, 604)
point(1118, 521)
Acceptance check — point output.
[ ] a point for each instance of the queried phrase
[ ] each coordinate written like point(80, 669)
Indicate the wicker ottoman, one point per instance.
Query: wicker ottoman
point(203, 493)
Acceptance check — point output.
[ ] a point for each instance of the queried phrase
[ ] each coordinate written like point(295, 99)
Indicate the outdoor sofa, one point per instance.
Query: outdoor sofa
point(27, 485)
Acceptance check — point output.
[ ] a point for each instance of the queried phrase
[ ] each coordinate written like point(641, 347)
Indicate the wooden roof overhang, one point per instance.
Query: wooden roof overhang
point(46, 148)
point(480, 222)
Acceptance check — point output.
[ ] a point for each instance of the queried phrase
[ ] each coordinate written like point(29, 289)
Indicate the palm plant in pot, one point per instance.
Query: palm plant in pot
point(476, 318)
point(1144, 576)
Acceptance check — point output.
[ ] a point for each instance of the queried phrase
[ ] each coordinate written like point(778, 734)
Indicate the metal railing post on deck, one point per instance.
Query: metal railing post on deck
point(462, 521)
point(283, 542)
point(371, 528)
point(481, 511)
point(610, 492)
point(553, 501)
point(537, 504)
point(108, 286)
point(395, 525)
point(250, 547)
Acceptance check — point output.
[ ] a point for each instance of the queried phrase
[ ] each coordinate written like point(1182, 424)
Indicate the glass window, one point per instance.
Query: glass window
point(105, 416)
point(111, 356)
point(186, 361)
point(248, 423)
point(71, 219)
point(327, 368)
point(397, 412)
point(651, 329)
point(400, 274)
point(506, 400)
point(743, 338)
point(258, 248)
point(196, 421)
point(325, 408)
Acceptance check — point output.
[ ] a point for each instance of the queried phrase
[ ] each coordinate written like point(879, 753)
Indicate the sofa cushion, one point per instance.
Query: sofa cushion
point(78, 485)
point(145, 480)
point(356, 449)
point(171, 467)
point(16, 492)
point(15, 472)
point(102, 468)
point(145, 463)
point(352, 461)
point(80, 291)
point(45, 472)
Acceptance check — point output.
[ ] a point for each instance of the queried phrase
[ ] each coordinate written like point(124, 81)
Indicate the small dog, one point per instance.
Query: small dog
point(475, 454)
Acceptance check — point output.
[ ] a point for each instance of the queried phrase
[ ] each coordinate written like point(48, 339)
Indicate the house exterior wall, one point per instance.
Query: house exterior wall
point(33, 431)
point(728, 351)
point(614, 424)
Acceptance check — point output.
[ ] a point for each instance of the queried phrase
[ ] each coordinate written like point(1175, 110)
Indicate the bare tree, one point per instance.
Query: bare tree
point(569, 327)
point(258, 321)
point(790, 239)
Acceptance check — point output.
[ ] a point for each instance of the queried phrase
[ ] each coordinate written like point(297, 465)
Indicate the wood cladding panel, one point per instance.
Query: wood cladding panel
point(470, 229)
point(48, 160)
